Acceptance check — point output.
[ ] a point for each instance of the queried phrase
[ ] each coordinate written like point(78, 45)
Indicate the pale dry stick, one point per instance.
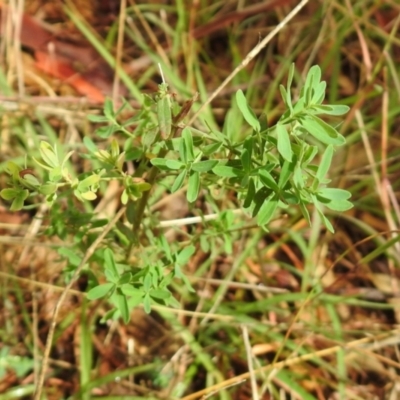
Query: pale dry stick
point(90, 251)
point(378, 185)
point(160, 50)
point(193, 220)
point(253, 53)
point(16, 14)
point(392, 68)
point(118, 56)
point(363, 43)
point(354, 345)
point(249, 354)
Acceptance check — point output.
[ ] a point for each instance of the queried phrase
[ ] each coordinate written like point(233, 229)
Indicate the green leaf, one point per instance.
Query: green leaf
point(89, 195)
point(179, 181)
point(204, 166)
point(88, 182)
point(48, 155)
point(174, 164)
point(13, 170)
point(185, 254)
point(89, 144)
point(325, 220)
point(55, 174)
point(97, 118)
point(108, 109)
point(211, 148)
point(322, 131)
point(245, 157)
point(267, 210)
point(161, 294)
point(246, 111)
point(312, 80)
point(193, 187)
point(147, 303)
point(99, 291)
point(159, 163)
point(188, 141)
point(284, 145)
point(149, 136)
point(267, 180)
point(19, 200)
point(333, 194)
point(305, 212)
point(251, 191)
point(331, 109)
point(73, 258)
point(109, 262)
point(9, 194)
point(325, 163)
point(319, 93)
point(122, 305)
point(339, 205)
point(227, 172)
point(48, 189)
point(285, 174)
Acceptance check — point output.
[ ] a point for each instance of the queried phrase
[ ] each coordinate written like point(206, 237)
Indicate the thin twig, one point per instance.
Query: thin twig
point(76, 274)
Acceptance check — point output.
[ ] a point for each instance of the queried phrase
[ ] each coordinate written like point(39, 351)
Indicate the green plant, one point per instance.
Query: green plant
point(270, 168)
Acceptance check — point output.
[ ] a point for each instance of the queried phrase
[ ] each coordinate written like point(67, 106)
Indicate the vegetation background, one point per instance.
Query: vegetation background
point(293, 313)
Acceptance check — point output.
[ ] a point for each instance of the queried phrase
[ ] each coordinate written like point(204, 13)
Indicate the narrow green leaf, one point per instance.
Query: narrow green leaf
point(99, 291)
point(211, 148)
point(147, 303)
point(174, 164)
point(284, 145)
point(159, 163)
point(185, 254)
point(108, 109)
point(88, 182)
point(227, 172)
point(251, 191)
point(267, 210)
point(246, 160)
point(204, 166)
point(178, 183)
point(286, 172)
point(97, 118)
point(122, 305)
point(246, 111)
point(329, 109)
point(325, 163)
point(193, 187)
point(339, 205)
point(267, 180)
point(109, 262)
point(322, 131)
point(17, 203)
point(161, 294)
point(188, 141)
point(48, 155)
point(319, 93)
point(333, 194)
